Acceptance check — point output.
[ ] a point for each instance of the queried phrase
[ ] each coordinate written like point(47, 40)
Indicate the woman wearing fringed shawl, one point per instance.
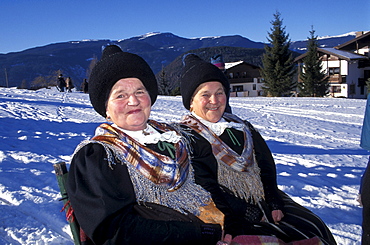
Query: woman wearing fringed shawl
point(241, 173)
point(132, 183)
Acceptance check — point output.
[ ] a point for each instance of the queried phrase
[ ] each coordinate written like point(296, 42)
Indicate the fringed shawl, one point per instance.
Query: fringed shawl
point(156, 178)
point(239, 173)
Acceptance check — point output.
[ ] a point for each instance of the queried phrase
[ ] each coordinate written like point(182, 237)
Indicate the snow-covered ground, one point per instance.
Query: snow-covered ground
point(315, 142)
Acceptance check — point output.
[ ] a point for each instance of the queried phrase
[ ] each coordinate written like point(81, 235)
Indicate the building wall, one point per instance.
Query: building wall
point(248, 89)
point(346, 83)
point(245, 80)
point(347, 74)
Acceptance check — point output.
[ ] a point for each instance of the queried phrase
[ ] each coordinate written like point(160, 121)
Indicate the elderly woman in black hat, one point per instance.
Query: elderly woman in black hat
point(241, 173)
point(132, 183)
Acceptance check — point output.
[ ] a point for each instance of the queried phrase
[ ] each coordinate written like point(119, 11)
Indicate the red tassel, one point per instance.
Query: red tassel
point(69, 212)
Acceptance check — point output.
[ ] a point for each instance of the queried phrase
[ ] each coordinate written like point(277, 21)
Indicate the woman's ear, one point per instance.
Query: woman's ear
point(108, 116)
point(191, 104)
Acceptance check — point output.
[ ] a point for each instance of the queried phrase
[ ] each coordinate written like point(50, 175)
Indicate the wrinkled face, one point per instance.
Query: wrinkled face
point(129, 104)
point(209, 101)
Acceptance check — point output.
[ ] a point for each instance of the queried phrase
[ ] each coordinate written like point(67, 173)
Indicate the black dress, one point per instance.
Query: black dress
point(105, 206)
point(242, 217)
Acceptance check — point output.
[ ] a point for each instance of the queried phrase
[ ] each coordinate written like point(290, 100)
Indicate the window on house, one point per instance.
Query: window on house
point(238, 88)
point(366, 74)
point(231, 75)
point(334, 70)
point(244, 74)
point(361, 82)
point(336, 89)
point(254, 86)
point(352, 89)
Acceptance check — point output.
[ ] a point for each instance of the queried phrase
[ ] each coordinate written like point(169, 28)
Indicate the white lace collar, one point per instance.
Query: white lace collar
point(219, 127)
point(150, 135)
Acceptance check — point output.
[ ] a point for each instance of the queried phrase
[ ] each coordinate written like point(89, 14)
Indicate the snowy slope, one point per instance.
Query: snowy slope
point(315, 142)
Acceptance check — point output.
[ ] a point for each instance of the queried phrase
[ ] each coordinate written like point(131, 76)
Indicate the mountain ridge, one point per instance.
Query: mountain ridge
point(158, 49)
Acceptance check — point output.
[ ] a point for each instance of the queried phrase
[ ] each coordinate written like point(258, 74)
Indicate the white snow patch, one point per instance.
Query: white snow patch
point(314, 141)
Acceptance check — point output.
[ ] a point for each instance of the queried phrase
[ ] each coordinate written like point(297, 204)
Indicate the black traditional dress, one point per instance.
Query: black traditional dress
point(241, 177)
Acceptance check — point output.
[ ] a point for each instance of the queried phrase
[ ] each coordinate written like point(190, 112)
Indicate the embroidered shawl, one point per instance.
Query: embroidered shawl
point(156, 178)
point(239, 173)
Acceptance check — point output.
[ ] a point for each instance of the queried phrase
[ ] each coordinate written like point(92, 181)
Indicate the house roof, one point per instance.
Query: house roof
point(343, 54)
point(339, 53)
point(232, 64)
point(356, 43)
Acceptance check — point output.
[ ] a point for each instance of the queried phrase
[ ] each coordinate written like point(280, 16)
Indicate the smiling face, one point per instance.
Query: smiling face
point(209, 101)
point(129, 104)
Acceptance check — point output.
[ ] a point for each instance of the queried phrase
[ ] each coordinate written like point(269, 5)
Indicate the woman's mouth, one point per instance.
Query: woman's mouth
point(134, 111)
point(212, 108)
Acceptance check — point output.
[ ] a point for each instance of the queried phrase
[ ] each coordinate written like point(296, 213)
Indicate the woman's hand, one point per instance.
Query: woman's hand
point(277, 215)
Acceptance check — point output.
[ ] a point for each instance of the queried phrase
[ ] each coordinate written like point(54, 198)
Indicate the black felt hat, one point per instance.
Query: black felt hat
point(113, 66)
point(196, 71)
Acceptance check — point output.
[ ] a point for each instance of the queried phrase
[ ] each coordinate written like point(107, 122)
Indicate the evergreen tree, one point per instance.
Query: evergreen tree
point(278, 67)
point(163, 84)
point(314, 82)
point(175, 91)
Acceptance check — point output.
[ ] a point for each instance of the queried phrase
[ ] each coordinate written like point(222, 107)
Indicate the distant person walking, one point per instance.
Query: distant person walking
point(85, 86)
point(61, 83)
point(69, 84)
point(365, 181)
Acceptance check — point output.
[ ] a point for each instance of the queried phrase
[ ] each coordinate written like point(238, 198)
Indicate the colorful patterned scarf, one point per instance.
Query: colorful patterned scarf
point(158, 168)
point(239, 173)
point(156, 178)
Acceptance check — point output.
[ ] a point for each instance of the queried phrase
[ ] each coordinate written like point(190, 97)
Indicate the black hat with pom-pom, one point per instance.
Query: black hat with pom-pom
point(113, 66)
point(196, 71)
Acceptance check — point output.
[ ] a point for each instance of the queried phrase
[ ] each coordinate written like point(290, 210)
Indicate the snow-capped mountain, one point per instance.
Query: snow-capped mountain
point(158, 49)
point(324, 42)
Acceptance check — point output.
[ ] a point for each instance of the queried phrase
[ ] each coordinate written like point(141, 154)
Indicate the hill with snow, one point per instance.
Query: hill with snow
point(323, 41)
point(315, 143)
point(73, 58)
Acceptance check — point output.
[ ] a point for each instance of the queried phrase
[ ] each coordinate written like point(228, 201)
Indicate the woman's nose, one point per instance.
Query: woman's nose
point(132, 100)
point(213, 99)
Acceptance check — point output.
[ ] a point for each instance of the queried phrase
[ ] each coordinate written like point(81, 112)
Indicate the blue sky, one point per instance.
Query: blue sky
point(29, 23)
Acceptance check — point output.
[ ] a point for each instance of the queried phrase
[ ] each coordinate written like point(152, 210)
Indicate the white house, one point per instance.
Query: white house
point(245, 79)
point(347, 66)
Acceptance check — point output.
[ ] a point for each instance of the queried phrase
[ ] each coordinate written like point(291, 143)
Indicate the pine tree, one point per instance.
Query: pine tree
point(163, 84)
point(278, 67)
point(314, 82)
